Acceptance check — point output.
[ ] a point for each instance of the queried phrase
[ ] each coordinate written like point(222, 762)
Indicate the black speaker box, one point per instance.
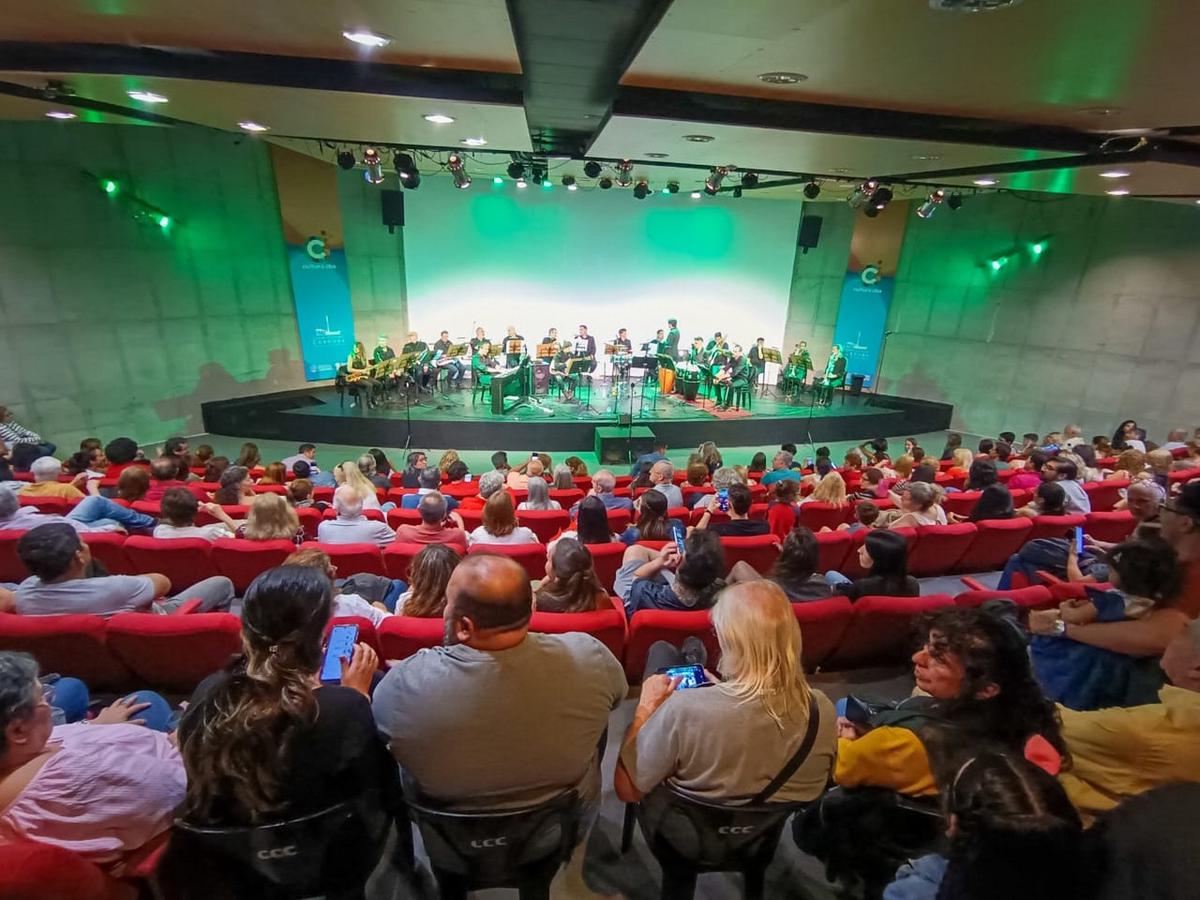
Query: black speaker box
point(391, 205)
point(810, 233)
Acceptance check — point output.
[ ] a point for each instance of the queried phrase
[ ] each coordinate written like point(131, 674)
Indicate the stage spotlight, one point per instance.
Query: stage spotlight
point(521, 182)
point(538, 174)
point(932, 202)
point(672, 187)
point(455, 164)
point(954, 201)
point(812, 190)
point(605, 183)
point(712, 184)
point(346, 160)
point(642, 189)
point(862, 194)
point(592, 169)
point(625, 173)
point(871, 211)
point(882, 198)
point(516, 170)
point(374, 166)
point(406, 170)
point(749, 179)
point(568, 181)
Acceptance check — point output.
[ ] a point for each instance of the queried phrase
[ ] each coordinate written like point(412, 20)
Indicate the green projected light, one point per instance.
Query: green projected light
point(110, 186)
point(164, 221)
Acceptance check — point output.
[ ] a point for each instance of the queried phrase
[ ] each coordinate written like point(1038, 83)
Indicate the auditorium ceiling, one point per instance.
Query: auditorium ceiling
point(1038, 96)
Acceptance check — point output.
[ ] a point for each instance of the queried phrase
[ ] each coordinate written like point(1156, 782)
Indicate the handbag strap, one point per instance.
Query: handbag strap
point(790, 767)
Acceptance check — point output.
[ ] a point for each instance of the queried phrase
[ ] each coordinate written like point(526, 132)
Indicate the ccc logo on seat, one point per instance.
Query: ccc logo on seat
point(490, 842)
point(278, 852)
point(735, 829)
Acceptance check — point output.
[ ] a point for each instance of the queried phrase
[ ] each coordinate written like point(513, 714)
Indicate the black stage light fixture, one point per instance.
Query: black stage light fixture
point(625, 173)
point(862, 194)
point(871, 211)
point(568, 181)
point(812, 190)
point(592, 169)
point(749, 179)
point(538, 174)
point(931, 204)
point(883, 196)
point(458, 172)
point(346, 160)
point(406, 170)
point(712, 184)
point(672, 187)
point(737, 191)
point(605, 183)
point(954, 201)
point(516, 170)
point(641, 189)
point(373, 173)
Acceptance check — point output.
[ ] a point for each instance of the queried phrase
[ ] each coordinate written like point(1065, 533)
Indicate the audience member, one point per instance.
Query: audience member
point(564, 480)
point(273, 474)
point(383, 465)
point(428, 482)
point(591, 524)
point(164, 475)
point(662, 474)
point(13, 433)
point(739, 524)
point(884, 556)
point(981, 474)
point(489, 484)
point(437, 525)
point(710, 456)
point(518, 479)
point(1127, 436)
point(178, 517)
point(213, 469)
point(306, 453)
point(663, 579)
point(781, 468)
point(249, 457)
point(783, 507)
point(1049, 500)
point(571, 584)
point(830, 489)
point(350, 476)
point(866, 513)
point(538, 496)
point(45, 471)
point(1031, 475)
point(89, 462)
point(351, 526)
point(300, 495)
point(271, 518)
point(500, 524)
point(235, 487)
point(500, 462)
point(658, 453)
point(348, 600)
point(872, 486)
point(302, 469)
point(722, 480)
point(90, 514)
point(652, 522)
point(603, 484)
point(918, 506)
point(428, 574)
point(1064, 472)
point(758, 463)
point(795, 571)
point(995, 502)
point(953, 443)
point(577, 466)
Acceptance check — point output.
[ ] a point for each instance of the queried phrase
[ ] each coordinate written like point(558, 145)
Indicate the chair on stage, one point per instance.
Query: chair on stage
point(481, 385)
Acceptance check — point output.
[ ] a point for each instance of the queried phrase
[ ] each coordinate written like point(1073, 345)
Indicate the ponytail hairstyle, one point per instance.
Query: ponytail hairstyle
point(573, 585)
point(232, 742)
point(652, 522)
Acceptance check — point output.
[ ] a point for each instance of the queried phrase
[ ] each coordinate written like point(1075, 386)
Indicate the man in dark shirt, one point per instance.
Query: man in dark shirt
point(671, 346)
point(740, 524)
point(454, 366)
point(756, 356)
point(584, 346)
point(422, 371)
point(740, 373)
point(622, 343)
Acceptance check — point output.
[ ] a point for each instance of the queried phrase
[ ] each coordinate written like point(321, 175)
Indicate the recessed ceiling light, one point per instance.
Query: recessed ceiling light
point(782, 77)
point(840, 171)
point(1117, 192)
point(1101, 111)
point(146, 96)
point(698, 138)
point(696, 196)
point(474, 141)
point(657, 155)
point(248, 125)
point(439, 119)
point(60, 114)
point(1115, 173)
point(926, 156)
point(985, 182)
point(367, 38)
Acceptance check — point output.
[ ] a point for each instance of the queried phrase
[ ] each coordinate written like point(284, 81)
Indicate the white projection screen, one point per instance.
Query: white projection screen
point(495, 255)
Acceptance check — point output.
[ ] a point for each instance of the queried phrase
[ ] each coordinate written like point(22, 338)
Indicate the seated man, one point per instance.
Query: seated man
point(518, 480)
point(603, 484)
point(60, 563)
point(164, 475)
point(89, 514)
point(740, 524)
point(351, 526)
point(662, 475)
point(179, 507)
point(459, 485)
point(428, 482)
point(437, 525)
point(489, 483)
point(662, 579)
point(499, 717)
point(1119, 753)
point(781, 468)
point(302, 469)
point(45, 471)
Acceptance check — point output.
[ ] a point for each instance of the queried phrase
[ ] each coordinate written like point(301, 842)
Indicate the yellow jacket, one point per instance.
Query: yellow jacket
point(886, 756)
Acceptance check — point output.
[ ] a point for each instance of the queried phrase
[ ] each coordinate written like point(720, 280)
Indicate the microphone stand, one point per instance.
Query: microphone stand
point(871, 401)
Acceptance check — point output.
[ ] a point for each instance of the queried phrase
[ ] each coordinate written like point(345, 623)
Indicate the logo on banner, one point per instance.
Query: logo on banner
point(870, 275)
point(317, 248)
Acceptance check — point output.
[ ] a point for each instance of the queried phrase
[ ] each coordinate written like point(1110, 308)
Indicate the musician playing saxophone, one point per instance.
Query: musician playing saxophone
point(358, 371)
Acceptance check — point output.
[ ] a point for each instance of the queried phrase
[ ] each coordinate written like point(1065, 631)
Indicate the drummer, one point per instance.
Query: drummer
point(622, 343)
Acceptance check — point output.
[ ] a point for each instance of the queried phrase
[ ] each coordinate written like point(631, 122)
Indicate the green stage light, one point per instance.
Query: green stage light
point(110, 186)
point(164, 221)
point(547, 185)
point(1037, 248)
point(496, 179)
point(998, 263)
point(665, 191)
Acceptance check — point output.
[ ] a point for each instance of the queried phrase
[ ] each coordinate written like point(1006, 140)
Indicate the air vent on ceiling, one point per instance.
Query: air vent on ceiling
point(971, 5)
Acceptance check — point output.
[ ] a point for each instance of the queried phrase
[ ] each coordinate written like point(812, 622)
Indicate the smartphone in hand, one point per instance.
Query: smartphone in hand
point(677, 533)
point(342, 639)
point(689, 676)
point(1079, 539)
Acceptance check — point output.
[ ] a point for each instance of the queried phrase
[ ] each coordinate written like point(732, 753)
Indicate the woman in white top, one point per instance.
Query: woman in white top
point(349, 473)
point(830, 489)
point(178, 517)
point(539, 496)
point(500, 523)
point(918, 506)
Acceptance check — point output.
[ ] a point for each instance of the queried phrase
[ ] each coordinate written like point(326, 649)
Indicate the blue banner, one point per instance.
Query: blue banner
point(324, 316)
point(862, 318)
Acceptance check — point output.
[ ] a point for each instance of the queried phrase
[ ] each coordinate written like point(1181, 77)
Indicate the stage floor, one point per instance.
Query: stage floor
point(455, 420)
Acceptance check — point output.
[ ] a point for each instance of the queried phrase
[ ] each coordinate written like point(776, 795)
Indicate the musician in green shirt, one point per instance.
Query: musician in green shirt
point(799, 364)
point(697, 354)
point(737, 373)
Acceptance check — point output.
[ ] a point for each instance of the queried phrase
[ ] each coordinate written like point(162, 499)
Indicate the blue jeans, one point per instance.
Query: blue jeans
point(102, 511)
point(70, 697)
point(833, 579)
point(1049, 554)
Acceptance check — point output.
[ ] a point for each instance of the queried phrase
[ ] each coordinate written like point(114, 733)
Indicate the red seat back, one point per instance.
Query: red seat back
point(1104, 494)
point(532, 557)
point(108, 548)
point(310, 521)
point(11, 567)
point(69, 645)
point(606, 558)
point(398, 556)
point(183, 560)
point(58, 506)
point(881, 631)
point(1034, 597)
point(619, 519)
point(816, 515)
point(566, 497)
point(995, 541)
point(672, 626)
point(471, 518)
point(397, 517)
point(961, 502)
point(832, 547)
point(350, 558)
point(174, 653)
point(238, 511)
point(1113, 526)
point(1022, 497)
point(605, 625)
point(367, 633)
point(823, 623)
point(31, 870)
point(545, 523)
point(1182, 476)
point(939, 548)
point(1053, 526)
point(760, 551)
point(402, 636)
point(242, 561)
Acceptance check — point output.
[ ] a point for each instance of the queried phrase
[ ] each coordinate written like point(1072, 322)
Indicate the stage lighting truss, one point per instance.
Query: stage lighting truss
point(406, 170)
point(374, 166)
point(931, 204)
point(862, 194)
point(625, 173)
point(458, 171)
point(712, 184)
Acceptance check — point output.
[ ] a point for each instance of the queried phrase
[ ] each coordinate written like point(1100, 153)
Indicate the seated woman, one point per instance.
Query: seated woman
point(697, 477)
point(995, 502)
point(571, 584)
point(981, 475)
point(563, 479)
point(918, 506)
point(500, 523)
point(1084, 673)
point(539, 496)
point(872, 486)
point(100, 789)
point(1000, 809)
point(642, 479)
point(884, 554)
point(784, 507)
point(235, 487)
point(1049, 500)
point(652, 522)
point(274, 473)
point(178, 517)
point(264, 740)
point(300, 495)
point(962, 459)
point(363, 594)
point(271, 518)
point(722, 480)
point(428, 575)
point(577, 466)
point(662, 579)
point(727, 742)
point(249, 457)
point(758, 463)
point(795, 570)
point(591, 523)
point(831, 489)
point(348, 473)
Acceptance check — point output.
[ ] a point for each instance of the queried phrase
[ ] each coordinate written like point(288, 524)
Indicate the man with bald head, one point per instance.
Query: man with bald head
point(662, 474)
point(499, 717)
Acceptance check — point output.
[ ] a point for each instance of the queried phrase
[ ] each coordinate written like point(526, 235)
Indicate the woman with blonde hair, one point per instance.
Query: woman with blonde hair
point(1129, 463)
point(696, 740)
point(348, 473)
point(962, 458)
point(271, 518)
point(449, 458)
point(830, 489)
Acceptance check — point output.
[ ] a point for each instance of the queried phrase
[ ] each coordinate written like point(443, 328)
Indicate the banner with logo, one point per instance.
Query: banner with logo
point(867, 289)
point(312, 234)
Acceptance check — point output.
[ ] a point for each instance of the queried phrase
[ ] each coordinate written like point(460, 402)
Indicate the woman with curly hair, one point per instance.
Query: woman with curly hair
point(571, 585)
point(449, 458)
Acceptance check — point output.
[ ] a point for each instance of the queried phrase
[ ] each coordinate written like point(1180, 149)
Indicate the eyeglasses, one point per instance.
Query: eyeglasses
point(1178, 510)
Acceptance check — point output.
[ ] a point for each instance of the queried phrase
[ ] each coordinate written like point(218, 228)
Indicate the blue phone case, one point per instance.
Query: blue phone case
point(341, 646)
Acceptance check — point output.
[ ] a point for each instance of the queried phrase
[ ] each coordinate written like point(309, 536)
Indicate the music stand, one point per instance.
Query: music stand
point(578, 367)
point(770, 355)
point(547, 350)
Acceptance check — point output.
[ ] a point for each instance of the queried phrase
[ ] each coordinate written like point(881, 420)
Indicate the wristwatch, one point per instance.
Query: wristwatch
point(1059, 629)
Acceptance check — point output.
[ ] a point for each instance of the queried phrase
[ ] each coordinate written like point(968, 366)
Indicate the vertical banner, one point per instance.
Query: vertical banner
point(867, 289)
point(316, 253)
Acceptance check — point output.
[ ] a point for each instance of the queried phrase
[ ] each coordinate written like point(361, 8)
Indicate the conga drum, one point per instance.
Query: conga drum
point(689, 381)
point(666, 380)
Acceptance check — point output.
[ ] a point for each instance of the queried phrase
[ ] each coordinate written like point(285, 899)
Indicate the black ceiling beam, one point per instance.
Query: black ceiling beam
point(573, 54)
point(351, 76)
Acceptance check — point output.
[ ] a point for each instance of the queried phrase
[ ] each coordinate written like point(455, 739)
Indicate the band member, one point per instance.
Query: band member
point(584, 345)
point(717, 347)
point(421, 371)
point(560, 369)
point(735, 374)
point(483, 364)
point(835, 375)
point(551, 338)
point(453, 365)
point(698, 354)
point(479, 338)
point(795, 374)
point(671, 348)
point(383, 353)
point(358, 368)
point(622, 342)
point(510, 335)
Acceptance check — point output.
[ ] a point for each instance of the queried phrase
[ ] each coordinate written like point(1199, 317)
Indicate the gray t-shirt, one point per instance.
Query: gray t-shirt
point(673, 494)
point(481, 729)
point(712, 745)
point(105, 596)
point(355, 531)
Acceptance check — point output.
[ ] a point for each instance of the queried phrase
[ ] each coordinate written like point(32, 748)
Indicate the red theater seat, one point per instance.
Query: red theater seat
point(566, 497)
point(174, 653)
point(402, 636)
point(760, 551)
point(1053, 526)
point(823, 623)
point(607, 560)
point(367, 634)
point(350, 558)
point(532, 557)
point(961, 503)
point(310, 521)
point(242, 561)
point(1034, 597)
point(619, 519)
point(58, 506)
point(939, 548)
point(816, 515)
point(1114, 526)
point(995, 541)
point(672, 626)
point(606, 625)
point(398, 516)
point(183, 560)
point(31, 870)
point(1104, 494)
point(235, 511)
point(545, 523)
point(108, 548)
point(880, 632)
point(11, 567)
point(374, 514)
point(69, 645)
point(691, 491)
point(471, 518)
point(1022, 497)
point(832, 547)
point(398, 556)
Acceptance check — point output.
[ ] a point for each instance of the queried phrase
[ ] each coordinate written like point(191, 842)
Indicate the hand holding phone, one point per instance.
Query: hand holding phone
point(1078, 539)
point(677, 533)
point(723, 500)
point(689, 676)
point(339, 647)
